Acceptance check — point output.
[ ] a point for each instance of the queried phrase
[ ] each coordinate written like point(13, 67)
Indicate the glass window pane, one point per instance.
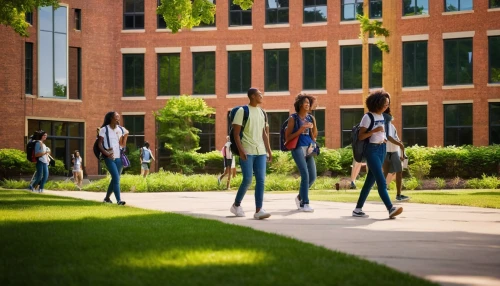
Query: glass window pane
point(494, 3)
point(413, 137)
point(204, 73)
point(45, 15)
point(494, 59)
point(415, 116)
point(246, 18)
point(452, 5)
point(46, 126)
point(60, 65)
point(169, 74)
point(375, 9)
point(375, 66)
point(349, 118)
point(465, 61)
point(60, 128)
point(308, 63)
point(74, 129)
point(283, 70)
point(320, 68)
point(450, 61)
point(129, 5)
point(33, 125)
point(466, 5)
point(45, 65)
point(61, 20)
point(351, 67)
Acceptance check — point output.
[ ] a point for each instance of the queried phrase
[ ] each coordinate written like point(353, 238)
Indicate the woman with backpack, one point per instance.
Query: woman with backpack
point(146, 157)
point(302, 128)
point(42, 161)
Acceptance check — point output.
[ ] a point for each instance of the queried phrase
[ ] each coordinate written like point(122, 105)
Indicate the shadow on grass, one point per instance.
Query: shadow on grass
point(486, 193)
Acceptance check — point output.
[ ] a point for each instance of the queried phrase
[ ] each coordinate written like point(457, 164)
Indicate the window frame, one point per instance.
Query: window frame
point(458, 8)
point(342, 131)
point(28, 68)
point(372, 48)
point(135, 94)
point(214, 71)
point(78, 19)
point(370, 9)
point(132, 136)
point(414, 72)
point(240, 12)
point(316, 5)
point(277, 76)
point(277, 10)
point(134, 14)
point(404, 110)
point(457, 59)
point(490, 52)
point(271, 117)
point(415, 9)
point(343, 4)
point(458, 126)
point(315, 68)
point(28, 18)
point(342, 65)
point(490, 125)
point(210, 135)
point(169, 85)
point(240, 54)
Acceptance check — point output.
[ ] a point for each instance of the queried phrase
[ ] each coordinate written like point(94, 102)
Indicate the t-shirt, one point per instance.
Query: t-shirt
point(146, 155)
point(77, 164)
point(377, 137)
point(252, 140)
point(41, 148)
point(114, 137)
point(305, 137)
point(391, 147)
point(228, 154)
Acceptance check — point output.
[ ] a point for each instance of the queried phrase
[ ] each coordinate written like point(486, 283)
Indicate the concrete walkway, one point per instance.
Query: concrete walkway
point(450, 245)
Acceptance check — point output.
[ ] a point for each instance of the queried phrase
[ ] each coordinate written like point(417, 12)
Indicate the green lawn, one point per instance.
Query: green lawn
point(49, 240)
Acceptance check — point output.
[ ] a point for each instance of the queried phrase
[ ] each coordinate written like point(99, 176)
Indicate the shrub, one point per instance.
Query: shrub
point(419, 162)
point(440, 183)
point(13, 162)
point(214, 161)
point(14, 184)
point(58, 169)
point(134, 156)
point(484, 183)
point(187, 161)
point(411, 183)
point(345, 160)
point(282, 163)
point(328, 160)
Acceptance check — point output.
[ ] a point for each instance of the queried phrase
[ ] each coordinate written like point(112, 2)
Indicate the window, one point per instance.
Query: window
point(458, 124)
point(28, 68)
point(204, 73)
point(133, 14)
point(320, 122)
point(415, 63)
point(494, 59)
point(133, 75)
point(75, 73)
point(160, 22)
point(52, 52)
point(169, 74)
point(458, 61)
point(135, 125)
point(207, 136)
point(78, 19)
point(375, 66)
point(203, 24)
point(28, 17)
point(351, 67)
point(315, 11)
point(494, 4)
point(239, 71)
point(375, 9)
point(348, 119)
point(415, 7)
point(351, 8)
point(276, 11)
point(415, 125)
point(239, 17)
point(458, 5)
point(494, 122)
point(276, 70)
point(314, 68)
point(275, 120)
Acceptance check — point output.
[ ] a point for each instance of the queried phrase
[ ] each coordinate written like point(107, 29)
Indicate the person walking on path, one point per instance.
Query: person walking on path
point(42, 163)
point(77, 168)
point(113, 137)
point(253, 150)
point(228, 163)
point(303, 125)
point(377, 102)
point(146, 157)
point(355, 169)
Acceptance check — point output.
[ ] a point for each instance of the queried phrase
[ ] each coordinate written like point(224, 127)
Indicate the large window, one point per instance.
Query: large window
point(320, 122)
point(315, 11)
point(375, 66)
point(415, 63)
point(458, 61)
point(52, 52)
point(494, 122)
point(415, 125)
point(207, 136)
point(276, 70)
point(375, 9)
point(457, 124)
point(28, 68)
point(351, 8)
point(75, 73)
point(133, 14)
point(314, 68)
point(458, 5)
point(239, 71)
point(348, 119)
point(135, 125)
point(415, 7)
point(351, 67)
point(133, 75)
point(169, 74)
point(239, 17)
point(494, 4)
point(204, 73)
point(494, 59)
point(276, 11)
point(275, 120)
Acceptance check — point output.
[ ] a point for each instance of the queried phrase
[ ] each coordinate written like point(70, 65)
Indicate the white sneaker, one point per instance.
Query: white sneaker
point(297, 202)
point(262, 214)
point(307, 209)
point(237, 211)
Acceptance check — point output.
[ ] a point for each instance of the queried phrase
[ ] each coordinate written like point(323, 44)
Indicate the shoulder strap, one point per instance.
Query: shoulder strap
point(372, 121)
point(265, 114)
point(107, 136)
point(245, 116)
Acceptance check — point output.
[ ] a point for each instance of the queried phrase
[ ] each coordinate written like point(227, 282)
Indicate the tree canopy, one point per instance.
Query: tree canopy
point(13, 13)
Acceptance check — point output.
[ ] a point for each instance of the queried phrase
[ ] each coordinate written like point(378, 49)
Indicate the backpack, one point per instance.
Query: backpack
point(284, 126)
point(30, 151)
point(359, 146)
point(97, 151)
point(234, 148)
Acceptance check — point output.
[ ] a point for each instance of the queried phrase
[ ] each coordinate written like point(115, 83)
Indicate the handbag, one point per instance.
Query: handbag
point(125, 160)
point(292, 144)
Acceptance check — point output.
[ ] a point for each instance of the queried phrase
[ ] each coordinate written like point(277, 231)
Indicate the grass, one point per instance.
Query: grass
point(49, 240)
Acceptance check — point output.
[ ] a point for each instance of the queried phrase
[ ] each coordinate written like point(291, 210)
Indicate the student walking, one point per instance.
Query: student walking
point(42, 163)
point(303, 125)
point(253, 150)
point(377, 102)
point(228, 163)
point(146, 157)
point(112, 138)
point(77, 168)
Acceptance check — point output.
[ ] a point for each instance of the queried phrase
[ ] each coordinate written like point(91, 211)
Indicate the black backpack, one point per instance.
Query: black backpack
point(97, 151)
point(30, 151)
point(359, 146)
point(234, 148)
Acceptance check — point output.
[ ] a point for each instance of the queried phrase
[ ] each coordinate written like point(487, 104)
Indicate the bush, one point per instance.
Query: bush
point(282, 163)
point(411, 183)
point(418, 161)
point(134, 156)
point(187, 161)
point(440, 183)
point(328, 160)
point(13, 162)
point(484, 183)
point(214, 161)
point(58, 169)
point(345, 160)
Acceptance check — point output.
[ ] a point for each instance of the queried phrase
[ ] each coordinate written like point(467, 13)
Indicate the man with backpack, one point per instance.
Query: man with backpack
point(146, 156)
point(229, 163)
point(252, 142)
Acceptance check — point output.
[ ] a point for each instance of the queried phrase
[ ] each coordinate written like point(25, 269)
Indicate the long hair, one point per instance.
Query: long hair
point(107, 118)
point(38, 135)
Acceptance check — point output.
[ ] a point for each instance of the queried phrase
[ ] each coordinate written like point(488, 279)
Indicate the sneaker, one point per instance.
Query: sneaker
point(262, 214)
point(402, 198)
point(359, 213)
point(107, 200)
point(307, 209)
point(237, 211)
point(30, 187)
point(121, 203)
point(353, 186)
point(40, 191)
point(297, 202)
point(395, 211)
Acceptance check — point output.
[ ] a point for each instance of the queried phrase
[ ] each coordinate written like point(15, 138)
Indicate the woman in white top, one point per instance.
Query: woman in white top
point(42, 162)
point(77, 168)
point(112, 138)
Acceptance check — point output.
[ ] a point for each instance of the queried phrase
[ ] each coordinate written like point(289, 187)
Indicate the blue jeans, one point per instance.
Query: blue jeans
point(375, 155)
point(307, 169)
point(42, 174)
point(255, 164)
point(115, 168)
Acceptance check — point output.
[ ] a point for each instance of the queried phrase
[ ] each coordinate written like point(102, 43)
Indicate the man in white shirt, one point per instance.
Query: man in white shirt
point(228, 162)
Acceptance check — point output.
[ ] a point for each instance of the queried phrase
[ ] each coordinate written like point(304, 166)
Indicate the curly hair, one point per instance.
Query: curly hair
point(299, 100)
point(376, 100)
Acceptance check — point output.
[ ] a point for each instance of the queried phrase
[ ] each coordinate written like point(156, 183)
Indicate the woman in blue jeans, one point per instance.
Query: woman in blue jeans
point(377, 102)
point(42, 162)
point(303, 125)
point(112, 137)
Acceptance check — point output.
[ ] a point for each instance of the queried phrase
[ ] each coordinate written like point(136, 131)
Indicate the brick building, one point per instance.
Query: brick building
point(90, 57)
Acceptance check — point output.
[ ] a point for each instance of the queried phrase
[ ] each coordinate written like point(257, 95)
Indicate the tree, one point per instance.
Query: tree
point(374, 28)
point(13, 13)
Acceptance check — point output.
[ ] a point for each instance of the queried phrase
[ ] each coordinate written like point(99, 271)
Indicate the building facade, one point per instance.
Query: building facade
point(90, 57)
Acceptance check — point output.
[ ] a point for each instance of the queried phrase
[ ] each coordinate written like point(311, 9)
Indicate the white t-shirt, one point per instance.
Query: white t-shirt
point(229, 154)
point(252, 140)
point(377, 137)
point(391, 147)
point(114, 138)
point(78, 163)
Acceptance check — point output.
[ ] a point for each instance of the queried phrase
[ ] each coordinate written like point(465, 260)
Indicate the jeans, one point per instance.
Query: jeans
point(375, 155)
point(115, 168)
point(307, 169)
point(257, 165)
point(42, 174)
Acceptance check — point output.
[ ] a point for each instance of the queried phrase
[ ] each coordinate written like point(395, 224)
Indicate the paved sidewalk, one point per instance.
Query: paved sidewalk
point(451, 245)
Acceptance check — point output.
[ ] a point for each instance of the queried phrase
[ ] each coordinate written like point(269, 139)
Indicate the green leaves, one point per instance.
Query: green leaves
point(244, 4)
point(186, 13)
point(373, 27)
point(12, 13)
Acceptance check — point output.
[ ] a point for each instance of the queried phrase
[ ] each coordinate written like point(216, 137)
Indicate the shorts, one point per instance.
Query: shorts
point(145, 166)
point(227, 162)
point(394, 162)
